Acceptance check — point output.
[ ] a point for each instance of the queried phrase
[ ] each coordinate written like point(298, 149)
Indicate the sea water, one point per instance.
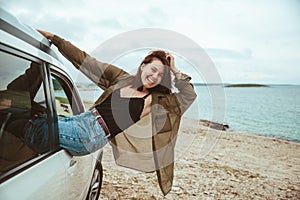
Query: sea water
point(266, 111)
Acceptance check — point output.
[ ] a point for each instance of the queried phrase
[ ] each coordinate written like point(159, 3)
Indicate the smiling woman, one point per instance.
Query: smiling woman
point(126, 100)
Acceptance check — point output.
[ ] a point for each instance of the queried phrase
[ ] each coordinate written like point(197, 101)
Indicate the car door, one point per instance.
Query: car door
point(25, 173)
point(78, 169)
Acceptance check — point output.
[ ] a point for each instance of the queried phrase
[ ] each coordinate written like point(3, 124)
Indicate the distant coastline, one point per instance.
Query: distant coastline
point(89, 86)
point(246, 85)
point(231, 85)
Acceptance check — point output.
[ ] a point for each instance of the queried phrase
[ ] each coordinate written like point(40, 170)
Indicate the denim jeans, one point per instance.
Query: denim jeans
point(79, 134)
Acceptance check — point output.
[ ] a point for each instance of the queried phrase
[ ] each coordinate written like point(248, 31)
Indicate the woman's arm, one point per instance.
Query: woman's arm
point(103, 74)
point(186, 95)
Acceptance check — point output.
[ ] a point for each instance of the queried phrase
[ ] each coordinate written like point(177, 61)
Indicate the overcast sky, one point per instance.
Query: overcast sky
point(250, 41)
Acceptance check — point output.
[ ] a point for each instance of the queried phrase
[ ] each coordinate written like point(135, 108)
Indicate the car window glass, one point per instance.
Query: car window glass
point(22, 99)
point(63, 105)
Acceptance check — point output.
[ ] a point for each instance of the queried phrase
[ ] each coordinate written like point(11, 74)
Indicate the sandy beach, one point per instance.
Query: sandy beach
point(238, 166)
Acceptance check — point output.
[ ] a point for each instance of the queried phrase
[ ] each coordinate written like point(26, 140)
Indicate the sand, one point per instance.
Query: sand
point(238, 166)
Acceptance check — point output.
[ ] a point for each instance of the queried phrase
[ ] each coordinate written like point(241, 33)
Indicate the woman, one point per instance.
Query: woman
point(127, 99)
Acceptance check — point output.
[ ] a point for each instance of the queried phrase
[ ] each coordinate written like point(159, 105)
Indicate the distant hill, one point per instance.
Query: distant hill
point(247, 85)
point(231, 85)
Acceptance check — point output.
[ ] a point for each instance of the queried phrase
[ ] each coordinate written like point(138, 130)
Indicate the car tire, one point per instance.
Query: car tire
point(96, 183)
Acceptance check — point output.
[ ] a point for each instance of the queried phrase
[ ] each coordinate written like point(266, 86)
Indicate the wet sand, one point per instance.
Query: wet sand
point(238, 166)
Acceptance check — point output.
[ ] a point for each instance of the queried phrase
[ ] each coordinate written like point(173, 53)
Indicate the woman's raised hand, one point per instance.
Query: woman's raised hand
point(170, 58)
point(46, 34)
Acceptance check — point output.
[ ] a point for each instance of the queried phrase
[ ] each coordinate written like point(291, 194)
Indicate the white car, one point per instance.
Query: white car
point(24, 173)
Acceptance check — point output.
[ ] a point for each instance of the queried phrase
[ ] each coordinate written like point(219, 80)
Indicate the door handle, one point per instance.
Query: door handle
point(72, 163)
point(71, 167)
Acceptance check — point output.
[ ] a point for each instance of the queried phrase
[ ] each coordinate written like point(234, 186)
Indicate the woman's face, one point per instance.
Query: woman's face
point(152, 73)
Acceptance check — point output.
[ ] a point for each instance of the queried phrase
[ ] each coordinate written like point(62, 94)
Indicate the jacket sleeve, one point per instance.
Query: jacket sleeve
point(180, 101)
point(103, 74)
point(186, 94)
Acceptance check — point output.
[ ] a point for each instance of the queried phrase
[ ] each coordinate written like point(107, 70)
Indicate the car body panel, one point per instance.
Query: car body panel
point(57, 174)
point(47, 175)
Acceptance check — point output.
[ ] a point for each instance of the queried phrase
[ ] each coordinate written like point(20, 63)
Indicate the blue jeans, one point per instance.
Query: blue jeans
point(79, 134)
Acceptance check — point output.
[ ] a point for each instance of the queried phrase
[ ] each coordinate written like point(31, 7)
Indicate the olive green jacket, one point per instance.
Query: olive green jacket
point(149, 144)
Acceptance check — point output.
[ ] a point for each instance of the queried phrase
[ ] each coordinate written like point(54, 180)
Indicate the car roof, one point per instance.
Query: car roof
point(10, 24)
point(13, 26)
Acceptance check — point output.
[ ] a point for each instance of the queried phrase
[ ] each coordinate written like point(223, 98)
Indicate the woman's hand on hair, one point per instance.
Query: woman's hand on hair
point(175, 71)
point(170, 58)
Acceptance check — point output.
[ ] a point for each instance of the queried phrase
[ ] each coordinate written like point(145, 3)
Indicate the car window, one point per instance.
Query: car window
point(22, 99)
point(63, 105)
point(67, 98)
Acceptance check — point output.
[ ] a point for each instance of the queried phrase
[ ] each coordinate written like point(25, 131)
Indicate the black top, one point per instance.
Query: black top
point(119, 113)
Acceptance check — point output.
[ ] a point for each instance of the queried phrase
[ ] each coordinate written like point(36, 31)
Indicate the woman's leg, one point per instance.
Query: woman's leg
point(36, 134)
point(79, 134)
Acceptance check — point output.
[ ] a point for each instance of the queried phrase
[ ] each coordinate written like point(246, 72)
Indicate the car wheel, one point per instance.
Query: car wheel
point(96, 183)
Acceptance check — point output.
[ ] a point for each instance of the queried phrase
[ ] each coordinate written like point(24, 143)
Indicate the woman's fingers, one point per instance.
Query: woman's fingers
point(170, 58)
point(46, 34)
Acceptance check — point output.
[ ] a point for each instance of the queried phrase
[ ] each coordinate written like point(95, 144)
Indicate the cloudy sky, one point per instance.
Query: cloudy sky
point(250, 41)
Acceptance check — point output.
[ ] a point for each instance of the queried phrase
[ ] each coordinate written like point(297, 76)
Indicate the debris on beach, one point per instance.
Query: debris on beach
point(214, 125)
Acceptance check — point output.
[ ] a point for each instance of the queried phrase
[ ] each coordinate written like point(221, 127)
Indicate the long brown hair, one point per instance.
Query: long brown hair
point(165, 85)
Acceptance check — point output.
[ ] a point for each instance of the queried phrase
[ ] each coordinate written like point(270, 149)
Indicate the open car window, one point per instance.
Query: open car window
point(63, 105)
point(66, 97)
